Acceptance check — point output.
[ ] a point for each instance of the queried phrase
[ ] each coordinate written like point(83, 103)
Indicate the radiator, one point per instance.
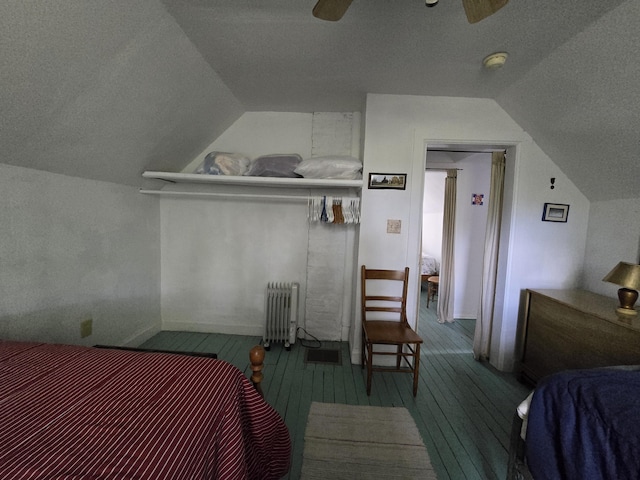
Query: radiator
point(281, 314)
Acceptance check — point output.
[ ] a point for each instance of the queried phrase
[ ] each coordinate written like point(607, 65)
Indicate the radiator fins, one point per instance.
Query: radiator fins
point(281, 314)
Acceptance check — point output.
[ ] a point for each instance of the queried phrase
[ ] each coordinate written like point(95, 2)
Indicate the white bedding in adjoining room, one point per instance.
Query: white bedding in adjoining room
point(429, 265)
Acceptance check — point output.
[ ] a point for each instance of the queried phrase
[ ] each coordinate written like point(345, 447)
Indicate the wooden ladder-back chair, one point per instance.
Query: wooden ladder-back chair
point(384, 322)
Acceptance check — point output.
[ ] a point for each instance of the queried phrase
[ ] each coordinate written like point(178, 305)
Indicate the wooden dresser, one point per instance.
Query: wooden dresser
point(569, 329)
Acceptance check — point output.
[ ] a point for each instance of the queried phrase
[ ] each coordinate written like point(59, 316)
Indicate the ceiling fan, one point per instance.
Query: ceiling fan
point(476, 10)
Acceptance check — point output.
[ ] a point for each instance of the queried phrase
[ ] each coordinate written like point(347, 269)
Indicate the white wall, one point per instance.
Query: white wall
point(471, 223)
point(432, 213)
point(218, 254)
point(613, 236)
point(474, 177)
point(535, 254)
point(74, 249)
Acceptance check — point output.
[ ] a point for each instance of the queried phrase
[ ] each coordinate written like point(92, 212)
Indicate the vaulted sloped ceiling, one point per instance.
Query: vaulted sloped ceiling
point(581, 103)
point(105, 90)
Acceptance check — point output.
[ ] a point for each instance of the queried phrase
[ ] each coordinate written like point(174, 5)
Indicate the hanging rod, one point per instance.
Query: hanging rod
point(231, 195)
point(442, 169)
point(240, 195)
point(448, 150)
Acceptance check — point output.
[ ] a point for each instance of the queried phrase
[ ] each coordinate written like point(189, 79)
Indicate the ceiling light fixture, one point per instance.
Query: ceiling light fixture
point(495, 60)
point(430, 3)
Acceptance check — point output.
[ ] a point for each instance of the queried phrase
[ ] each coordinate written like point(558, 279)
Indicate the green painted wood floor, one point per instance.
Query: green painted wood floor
point(463, 409)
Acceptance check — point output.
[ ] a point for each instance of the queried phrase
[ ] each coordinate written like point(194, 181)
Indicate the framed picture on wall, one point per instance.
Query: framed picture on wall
point(396, 181)
point(555, 212)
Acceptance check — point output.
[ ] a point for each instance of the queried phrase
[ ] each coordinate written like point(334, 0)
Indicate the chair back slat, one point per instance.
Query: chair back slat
point(379, 302)
point(384, 309)
point(384, 274)
point(383, 298)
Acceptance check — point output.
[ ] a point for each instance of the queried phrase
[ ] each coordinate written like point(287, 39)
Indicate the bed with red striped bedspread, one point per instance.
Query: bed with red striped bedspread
point(79, 412)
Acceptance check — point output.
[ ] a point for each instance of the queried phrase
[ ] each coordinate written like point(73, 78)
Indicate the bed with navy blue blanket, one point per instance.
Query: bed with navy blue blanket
point(585, 424)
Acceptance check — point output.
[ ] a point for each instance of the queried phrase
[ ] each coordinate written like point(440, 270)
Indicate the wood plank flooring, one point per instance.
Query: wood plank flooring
point(463, 409)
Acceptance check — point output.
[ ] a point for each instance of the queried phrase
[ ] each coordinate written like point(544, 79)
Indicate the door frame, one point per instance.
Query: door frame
point(421, 144)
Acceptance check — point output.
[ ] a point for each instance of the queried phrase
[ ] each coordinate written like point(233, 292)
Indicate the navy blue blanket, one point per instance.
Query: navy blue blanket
point(585, 424)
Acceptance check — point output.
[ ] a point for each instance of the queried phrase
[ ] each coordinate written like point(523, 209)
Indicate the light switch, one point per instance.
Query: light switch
point(394, 226)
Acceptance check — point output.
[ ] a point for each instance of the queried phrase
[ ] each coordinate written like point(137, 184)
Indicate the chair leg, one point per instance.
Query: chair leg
point(369, 368)
point(416, 369)
point(399, 357)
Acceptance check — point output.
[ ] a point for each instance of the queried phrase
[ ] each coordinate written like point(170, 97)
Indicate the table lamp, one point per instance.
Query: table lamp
point(627, 275)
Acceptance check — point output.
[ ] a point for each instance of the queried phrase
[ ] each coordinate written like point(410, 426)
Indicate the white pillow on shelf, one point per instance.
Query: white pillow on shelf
point(342, 167)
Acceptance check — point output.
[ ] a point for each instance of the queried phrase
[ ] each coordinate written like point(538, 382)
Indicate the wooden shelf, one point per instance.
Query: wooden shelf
point(194, 178)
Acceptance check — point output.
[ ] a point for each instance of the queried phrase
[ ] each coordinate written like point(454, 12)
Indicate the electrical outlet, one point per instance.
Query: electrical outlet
point(86, 328)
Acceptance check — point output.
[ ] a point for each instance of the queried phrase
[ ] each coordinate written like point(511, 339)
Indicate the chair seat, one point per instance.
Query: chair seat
point(390, 333)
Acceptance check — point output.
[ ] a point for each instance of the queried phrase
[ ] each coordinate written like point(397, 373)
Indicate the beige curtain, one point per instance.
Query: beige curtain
point(445, 288)
point(484, 320)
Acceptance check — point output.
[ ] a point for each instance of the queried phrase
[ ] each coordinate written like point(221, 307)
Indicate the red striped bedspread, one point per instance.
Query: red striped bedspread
point(77, 412)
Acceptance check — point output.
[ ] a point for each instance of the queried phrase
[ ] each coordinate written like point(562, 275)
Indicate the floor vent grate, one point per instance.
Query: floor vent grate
point(323, 355)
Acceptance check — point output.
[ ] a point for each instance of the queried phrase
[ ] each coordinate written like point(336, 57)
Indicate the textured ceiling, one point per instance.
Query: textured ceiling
point(107, 89)
point(275, 54)
point(104, 90)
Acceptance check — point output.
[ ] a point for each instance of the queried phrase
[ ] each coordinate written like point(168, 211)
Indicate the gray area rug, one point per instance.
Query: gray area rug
point(352, 442)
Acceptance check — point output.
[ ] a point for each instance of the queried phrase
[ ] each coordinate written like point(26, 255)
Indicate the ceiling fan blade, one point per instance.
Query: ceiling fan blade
point(477, 10)
point(331, 10)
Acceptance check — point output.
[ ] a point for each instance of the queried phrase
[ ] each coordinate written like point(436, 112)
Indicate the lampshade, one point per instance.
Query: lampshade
point(627, 275)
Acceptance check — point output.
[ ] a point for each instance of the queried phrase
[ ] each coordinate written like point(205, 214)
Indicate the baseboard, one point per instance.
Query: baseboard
point(250, 330)
point(356, 357)
point(345, 333)
point(140, 337)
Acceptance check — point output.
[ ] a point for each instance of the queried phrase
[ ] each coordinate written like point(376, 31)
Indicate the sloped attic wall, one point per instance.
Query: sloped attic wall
point(101, 90)
point(71, 250)
point(105, 90)
point(581, 105)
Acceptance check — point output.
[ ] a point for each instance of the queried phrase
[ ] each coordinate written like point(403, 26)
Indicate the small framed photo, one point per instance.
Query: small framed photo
point(395, 181)
point(477, 199)
point(555, 212)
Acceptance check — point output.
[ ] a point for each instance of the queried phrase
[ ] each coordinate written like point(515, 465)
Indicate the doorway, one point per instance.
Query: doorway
point(473, 181)
point(473, 166)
